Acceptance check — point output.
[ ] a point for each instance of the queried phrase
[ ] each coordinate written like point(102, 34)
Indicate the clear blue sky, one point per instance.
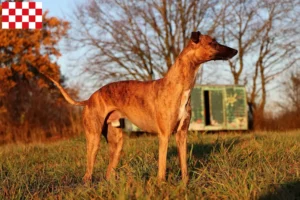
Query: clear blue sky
point(61, 9)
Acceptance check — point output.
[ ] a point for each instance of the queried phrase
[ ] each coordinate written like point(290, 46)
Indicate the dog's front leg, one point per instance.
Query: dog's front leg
point(181, 141)
point(182, 151)
point(162, 156)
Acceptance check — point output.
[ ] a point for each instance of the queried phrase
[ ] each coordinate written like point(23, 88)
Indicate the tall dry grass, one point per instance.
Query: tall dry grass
point(32, 114)
point(284, 121)
point(27, 133)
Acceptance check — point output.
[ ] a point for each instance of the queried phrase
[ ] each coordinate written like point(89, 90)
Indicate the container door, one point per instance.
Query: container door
point(236, 108)
point(214, 109)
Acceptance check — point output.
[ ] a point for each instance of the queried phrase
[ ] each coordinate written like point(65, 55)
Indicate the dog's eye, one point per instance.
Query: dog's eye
point(213, 43)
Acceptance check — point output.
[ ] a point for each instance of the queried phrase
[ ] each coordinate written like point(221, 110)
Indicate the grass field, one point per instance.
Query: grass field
point(221, 166)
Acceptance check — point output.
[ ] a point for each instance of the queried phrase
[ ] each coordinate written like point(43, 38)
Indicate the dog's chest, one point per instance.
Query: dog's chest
point(183, 102)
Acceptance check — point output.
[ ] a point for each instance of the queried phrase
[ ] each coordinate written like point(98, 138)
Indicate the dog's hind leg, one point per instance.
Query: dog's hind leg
point(115, 142)
point(93, 127)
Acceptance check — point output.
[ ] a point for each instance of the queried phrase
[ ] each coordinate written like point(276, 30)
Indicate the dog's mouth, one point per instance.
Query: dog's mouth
point(224, 53)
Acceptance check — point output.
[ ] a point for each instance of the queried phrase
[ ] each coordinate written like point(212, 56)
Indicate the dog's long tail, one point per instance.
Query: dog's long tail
point(65, 94)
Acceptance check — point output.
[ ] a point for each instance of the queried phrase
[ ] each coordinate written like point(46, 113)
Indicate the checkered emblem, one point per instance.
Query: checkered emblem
point(22, 15)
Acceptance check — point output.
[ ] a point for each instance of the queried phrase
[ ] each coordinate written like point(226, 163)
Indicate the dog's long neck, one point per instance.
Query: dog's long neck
point(183, 71)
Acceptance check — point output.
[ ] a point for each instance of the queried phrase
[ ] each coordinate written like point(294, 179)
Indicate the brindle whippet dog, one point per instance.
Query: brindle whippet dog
point(161, 106)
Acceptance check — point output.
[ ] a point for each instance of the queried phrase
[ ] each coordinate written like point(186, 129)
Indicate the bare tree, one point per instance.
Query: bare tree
point(291, 93)
point(266, 34)
point(128, 39)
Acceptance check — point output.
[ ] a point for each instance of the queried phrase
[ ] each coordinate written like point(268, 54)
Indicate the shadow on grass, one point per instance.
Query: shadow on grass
point(203, 150)
point(283, 191)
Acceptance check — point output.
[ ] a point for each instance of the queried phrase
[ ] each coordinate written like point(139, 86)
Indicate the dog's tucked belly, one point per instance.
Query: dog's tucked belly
point(145, 125)
point(143, 122)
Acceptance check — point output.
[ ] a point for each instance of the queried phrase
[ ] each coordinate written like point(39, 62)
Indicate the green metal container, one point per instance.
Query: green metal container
point(219, 107)
point(215, 107)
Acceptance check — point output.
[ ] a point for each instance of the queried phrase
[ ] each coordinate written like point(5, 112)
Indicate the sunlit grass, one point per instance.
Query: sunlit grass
point(236, 166)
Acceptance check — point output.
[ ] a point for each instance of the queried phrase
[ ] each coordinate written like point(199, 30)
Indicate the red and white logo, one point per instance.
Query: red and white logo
point(22, 15)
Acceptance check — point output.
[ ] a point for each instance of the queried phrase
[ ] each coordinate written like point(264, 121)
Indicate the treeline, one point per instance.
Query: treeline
point(288, 117)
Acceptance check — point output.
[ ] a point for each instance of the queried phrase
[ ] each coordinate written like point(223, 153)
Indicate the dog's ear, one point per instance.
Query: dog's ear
point(195, 36)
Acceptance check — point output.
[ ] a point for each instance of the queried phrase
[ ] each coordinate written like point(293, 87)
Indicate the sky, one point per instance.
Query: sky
point(61, 9)
point(58, 8)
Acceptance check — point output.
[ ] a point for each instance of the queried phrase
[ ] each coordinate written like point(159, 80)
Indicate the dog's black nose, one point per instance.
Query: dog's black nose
point(233, 52)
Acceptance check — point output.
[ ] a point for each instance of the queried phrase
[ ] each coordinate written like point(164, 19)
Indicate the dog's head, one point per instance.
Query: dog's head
point(207, 48)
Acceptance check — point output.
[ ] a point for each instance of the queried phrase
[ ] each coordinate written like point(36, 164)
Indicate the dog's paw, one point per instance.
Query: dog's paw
point(87, 179)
